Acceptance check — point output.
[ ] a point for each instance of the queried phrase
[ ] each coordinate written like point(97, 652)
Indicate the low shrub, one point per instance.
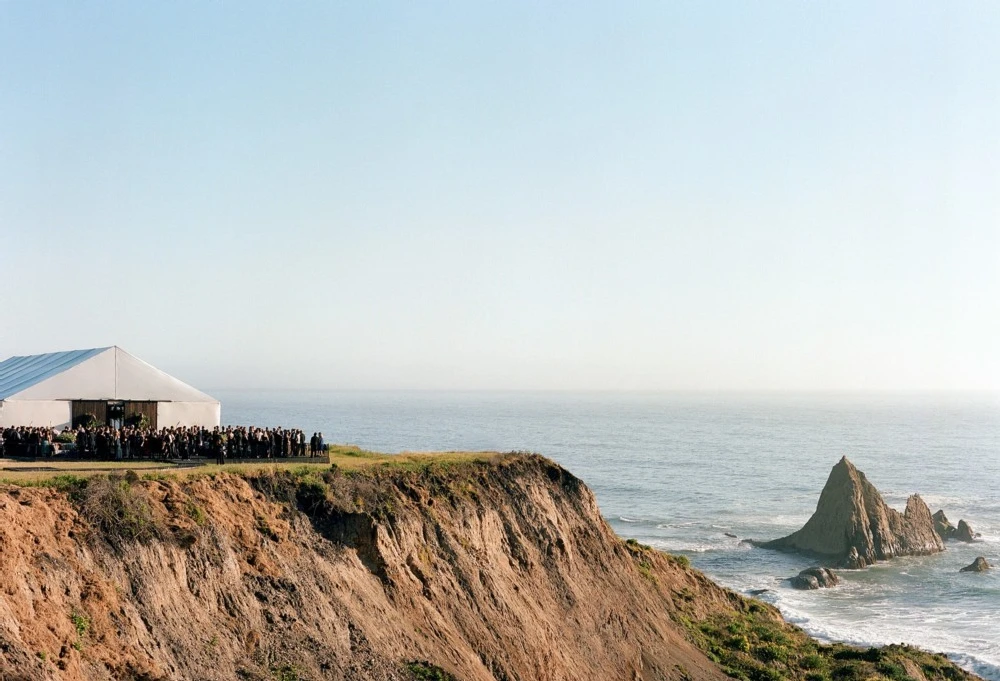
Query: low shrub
point(849, 671)
point(739, 642)
point(677, 559)
point(425, 671)
point(812, 661)
point(892, 670)
point(80, 622)
point(119, 510)
point(285, 672)
point(771, 652)
point(195, 512)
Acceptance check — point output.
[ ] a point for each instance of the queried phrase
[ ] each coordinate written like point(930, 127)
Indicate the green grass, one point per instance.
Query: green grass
point(285, 672)
point(425, 671)
point(195, 512)
point(350, 459)
point(752, 643)
point(80, 622)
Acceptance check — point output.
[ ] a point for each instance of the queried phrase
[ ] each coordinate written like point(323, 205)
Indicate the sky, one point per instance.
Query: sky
point(519, 195)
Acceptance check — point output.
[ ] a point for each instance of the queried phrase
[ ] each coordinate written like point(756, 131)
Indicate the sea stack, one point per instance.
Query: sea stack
point(964, 533)
point(943, 526)
point(854, 527)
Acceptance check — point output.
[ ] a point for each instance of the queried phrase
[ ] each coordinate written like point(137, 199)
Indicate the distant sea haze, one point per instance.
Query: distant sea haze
point(683, 472)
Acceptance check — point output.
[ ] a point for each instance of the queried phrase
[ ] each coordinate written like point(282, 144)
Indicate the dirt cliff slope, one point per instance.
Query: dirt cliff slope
point(495, 570)
point(498, 569)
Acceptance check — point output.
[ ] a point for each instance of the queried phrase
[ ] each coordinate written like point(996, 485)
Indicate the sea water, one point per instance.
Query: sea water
point(684, 472)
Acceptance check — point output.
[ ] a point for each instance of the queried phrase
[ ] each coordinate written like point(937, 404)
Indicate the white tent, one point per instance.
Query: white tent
point(54, 388)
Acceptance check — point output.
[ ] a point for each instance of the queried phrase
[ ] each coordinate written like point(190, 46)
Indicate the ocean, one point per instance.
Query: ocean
point(681, 472)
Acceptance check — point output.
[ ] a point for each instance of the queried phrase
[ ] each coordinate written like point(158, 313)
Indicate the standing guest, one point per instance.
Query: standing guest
point(101, 445)
point(219, 445)
point(319, 442)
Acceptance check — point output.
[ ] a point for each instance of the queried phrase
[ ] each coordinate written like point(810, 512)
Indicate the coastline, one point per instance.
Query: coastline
point(562, 540)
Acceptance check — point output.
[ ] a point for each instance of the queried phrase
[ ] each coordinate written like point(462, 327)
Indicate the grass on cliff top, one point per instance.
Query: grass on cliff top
point(349, 458)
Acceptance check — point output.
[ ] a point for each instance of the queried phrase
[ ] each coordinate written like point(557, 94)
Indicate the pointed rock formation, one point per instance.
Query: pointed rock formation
point(854, 527)
point(943, 526)
point(964, 533)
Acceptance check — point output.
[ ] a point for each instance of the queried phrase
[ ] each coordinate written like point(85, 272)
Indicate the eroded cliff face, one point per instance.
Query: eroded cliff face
point(498, 569)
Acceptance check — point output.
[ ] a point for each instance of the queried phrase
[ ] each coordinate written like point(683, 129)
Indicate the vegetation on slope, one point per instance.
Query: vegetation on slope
point(750, 641)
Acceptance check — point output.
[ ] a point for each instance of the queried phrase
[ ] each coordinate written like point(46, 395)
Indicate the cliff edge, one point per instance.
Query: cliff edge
point(854, 527)
point(495, 569)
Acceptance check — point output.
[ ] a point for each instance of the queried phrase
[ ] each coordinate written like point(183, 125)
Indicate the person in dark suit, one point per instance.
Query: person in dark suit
point(219, 445)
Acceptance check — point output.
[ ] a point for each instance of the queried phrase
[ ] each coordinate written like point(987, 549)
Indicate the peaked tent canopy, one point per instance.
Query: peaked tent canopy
point(54, 388)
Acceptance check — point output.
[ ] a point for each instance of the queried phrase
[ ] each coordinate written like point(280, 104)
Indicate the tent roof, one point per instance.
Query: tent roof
point(18, 373)
point(96, 374)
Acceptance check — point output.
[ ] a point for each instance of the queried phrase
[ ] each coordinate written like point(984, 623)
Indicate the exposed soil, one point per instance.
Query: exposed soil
point(500, 569)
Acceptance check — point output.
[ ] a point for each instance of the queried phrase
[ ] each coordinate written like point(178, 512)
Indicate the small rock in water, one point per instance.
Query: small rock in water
point(815, 578)
point(978, 565)
point(730, 535)
point(853, 560)
point(758, 592)
point(964, 532)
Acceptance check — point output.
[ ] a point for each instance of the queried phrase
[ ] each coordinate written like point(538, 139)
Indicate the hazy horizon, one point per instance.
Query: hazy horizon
point(661, 197)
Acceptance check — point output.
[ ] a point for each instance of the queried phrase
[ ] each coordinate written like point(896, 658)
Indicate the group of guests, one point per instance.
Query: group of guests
point(27, 441)
point(105, 442)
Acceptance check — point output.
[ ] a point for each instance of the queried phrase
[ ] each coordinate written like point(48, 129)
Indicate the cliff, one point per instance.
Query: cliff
point(496, 568)
point(854, 527)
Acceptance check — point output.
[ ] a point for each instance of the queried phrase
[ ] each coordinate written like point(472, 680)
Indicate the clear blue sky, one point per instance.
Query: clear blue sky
point(662, 195)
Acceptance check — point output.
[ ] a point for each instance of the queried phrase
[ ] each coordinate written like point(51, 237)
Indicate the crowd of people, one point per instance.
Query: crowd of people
point(105, 442)
point(27, 441)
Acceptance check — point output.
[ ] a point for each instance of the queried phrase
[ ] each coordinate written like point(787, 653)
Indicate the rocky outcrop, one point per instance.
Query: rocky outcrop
point(854, 527)
point(946, 530)
point(943, 526)
point(978, 565)
point(815, 578)
point(964, 533)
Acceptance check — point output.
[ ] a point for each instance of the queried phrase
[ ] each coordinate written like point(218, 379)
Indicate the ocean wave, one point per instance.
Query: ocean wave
point(985, 662)
point(682, 546)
